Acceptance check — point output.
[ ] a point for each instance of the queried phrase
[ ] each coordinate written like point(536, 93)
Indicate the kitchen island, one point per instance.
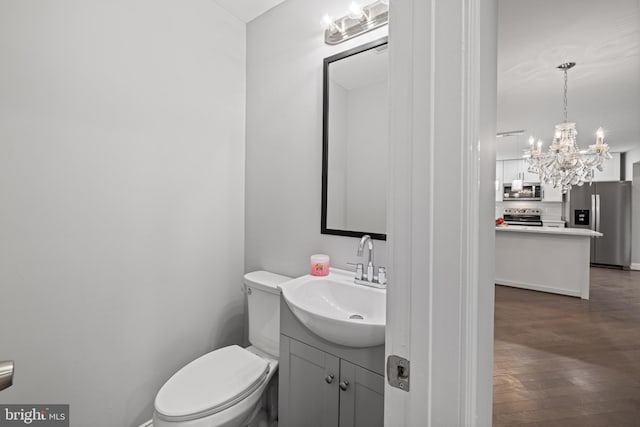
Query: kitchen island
point(546, 259)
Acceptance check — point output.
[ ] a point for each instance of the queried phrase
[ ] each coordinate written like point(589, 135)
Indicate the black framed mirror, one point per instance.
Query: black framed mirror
point(355, 142)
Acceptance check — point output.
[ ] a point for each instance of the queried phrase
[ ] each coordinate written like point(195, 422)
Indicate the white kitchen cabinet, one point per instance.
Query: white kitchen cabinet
point(611, 170)
point(528, 176)
point(550, 194)
point(499, 180)
point(518, 167)
point(510, 170)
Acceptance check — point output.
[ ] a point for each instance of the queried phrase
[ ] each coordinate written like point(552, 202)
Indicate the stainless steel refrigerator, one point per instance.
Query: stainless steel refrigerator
point(605, 207)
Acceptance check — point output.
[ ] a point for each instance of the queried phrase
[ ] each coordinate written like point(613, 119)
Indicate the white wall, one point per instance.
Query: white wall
point(285, 49)
point(121, 180)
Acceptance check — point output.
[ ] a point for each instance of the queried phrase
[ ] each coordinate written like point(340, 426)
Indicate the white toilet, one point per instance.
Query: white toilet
point(231, 386)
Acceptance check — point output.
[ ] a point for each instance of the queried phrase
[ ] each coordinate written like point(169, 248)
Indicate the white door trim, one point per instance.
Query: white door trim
point(441, 206)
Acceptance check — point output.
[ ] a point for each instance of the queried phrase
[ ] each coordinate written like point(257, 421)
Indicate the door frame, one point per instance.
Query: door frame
point(442, 80)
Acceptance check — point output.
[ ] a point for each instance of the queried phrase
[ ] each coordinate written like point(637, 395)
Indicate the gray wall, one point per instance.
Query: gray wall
point(631, 157)
point(121, 188)
point(635, 224)
point(285, 49)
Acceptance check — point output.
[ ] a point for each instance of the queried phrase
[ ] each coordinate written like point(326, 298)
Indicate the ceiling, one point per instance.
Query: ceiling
point(247, 10)
point(602, 37)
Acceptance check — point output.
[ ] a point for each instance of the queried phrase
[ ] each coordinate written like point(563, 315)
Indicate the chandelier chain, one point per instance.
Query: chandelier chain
point(565, 95)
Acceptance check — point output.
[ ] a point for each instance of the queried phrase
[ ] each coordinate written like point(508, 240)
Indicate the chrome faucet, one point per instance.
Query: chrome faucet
point(369, 278)
point(367, 239)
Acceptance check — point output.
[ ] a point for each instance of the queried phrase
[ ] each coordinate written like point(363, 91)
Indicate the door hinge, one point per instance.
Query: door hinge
point(6, 374)
point(398, 372)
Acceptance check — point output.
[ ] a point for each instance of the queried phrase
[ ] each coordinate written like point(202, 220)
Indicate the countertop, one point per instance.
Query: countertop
point(550, 230)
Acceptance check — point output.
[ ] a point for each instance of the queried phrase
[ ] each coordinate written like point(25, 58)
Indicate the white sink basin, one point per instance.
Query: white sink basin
point(338, 310)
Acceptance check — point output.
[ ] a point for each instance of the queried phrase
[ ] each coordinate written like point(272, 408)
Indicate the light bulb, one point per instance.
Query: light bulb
point(330, 24)
point(600, 135)
point(531, 140)
point(355, 11)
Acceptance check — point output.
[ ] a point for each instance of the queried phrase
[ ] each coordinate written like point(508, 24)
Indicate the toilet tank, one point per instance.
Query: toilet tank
point(263, 299)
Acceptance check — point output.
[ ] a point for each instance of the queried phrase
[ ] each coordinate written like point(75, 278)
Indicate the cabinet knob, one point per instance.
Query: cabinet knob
point(329, 379)
point(344, 385)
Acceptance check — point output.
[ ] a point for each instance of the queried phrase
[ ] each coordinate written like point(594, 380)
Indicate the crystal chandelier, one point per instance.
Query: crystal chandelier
point(564, 164)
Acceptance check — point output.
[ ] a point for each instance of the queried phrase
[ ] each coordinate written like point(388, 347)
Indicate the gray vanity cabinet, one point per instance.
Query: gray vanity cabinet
point(318, 389)
point(362, 403)
point(308, 386)
point(324, 385)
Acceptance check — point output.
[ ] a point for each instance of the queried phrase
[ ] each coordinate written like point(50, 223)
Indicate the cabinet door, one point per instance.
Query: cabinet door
point(514, 168)
point(308, 386)
point(361, 397)
point(529, 176)
point(499, 181)
point(550, 194)
point(511, 168)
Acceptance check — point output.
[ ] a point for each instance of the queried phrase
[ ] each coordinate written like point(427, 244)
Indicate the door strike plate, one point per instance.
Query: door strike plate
point(398, 372)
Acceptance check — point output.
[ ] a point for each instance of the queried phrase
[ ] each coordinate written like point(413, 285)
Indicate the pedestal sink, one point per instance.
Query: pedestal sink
point(336, 309)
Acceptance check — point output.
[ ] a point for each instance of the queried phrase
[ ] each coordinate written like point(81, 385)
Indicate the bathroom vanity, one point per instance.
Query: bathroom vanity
point(324, 384)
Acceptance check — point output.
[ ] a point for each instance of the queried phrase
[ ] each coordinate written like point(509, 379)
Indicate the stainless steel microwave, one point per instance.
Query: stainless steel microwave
point(529, 191)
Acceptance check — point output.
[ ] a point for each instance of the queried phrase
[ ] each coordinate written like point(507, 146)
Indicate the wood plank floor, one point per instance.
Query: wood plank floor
point(564, 362)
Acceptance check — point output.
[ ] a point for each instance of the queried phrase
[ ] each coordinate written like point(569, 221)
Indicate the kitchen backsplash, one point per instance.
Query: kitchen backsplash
point(551, 211)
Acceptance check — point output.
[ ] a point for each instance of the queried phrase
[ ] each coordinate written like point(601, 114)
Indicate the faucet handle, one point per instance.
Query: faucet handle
point(359, 269)
point(382, 275)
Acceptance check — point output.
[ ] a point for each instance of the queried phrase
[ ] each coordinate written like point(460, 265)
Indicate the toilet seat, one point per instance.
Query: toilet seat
point(211, 383)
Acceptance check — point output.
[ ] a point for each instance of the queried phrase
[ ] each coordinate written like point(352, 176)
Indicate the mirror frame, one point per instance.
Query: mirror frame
point(325, 139)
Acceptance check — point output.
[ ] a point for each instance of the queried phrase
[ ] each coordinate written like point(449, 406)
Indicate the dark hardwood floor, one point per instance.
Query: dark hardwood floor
point(564, 362)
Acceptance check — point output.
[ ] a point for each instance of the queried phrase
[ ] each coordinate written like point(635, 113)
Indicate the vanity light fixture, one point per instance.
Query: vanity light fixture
point(564, 164)
point(510, 133)
point(358, 20)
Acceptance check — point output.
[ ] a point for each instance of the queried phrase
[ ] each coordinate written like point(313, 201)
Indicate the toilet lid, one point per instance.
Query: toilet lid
point(211, 383)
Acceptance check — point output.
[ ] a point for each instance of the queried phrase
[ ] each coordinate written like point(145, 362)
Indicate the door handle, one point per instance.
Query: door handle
point(597, 212)
point(593, 212)
point(6, 374)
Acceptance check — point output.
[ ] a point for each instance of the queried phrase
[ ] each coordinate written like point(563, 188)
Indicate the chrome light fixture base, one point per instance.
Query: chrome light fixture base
point(372, 16)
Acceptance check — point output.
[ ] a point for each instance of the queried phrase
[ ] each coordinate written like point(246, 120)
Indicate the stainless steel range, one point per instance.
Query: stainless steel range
point(523, 216)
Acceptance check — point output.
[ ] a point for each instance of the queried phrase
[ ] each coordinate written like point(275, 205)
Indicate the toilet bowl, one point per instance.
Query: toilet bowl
point(231, 386)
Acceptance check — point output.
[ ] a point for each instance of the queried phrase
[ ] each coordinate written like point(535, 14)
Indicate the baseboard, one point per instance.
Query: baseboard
point(635, 266)
point(539, 288)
